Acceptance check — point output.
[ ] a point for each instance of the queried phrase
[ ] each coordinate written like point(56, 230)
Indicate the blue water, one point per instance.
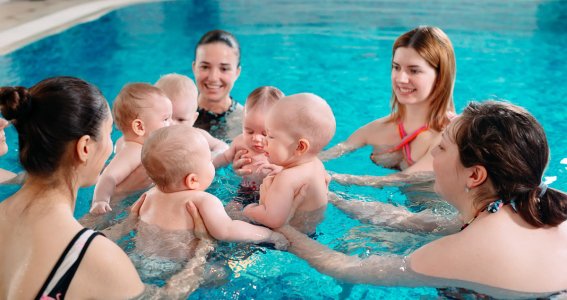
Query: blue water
point(340, 50)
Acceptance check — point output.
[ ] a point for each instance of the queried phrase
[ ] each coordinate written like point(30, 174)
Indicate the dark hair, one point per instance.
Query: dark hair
point(220, 36)
point(510, 143)
point(49, 115)
point(435, 47)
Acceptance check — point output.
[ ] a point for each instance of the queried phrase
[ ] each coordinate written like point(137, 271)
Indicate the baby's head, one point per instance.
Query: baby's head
point(141, 108)
point(178, 158)
point(256, 108)
point(298, 125)
point(182, 92)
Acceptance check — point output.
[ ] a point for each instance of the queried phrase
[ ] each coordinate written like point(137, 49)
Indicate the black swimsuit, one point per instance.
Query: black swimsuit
point(211, 121)
point(58, 281)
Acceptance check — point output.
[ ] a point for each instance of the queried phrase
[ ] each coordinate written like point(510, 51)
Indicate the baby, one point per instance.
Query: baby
point(182, 92)
point(178, 160)
point(252, 140)
point(139, 109)
point(298, 128)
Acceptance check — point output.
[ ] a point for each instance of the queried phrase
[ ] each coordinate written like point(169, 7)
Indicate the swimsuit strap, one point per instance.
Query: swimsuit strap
point(58, 281)
point(407, 139)
point(492, 207)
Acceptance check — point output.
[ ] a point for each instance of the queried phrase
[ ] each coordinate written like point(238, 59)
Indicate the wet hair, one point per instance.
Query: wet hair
point(49, 116)
point(170, 153)
point(264, 96)
point(310, 116)
point(174, 85)
point(510, 143)
point(433, 45)
point(220, 36)
point(130, 101)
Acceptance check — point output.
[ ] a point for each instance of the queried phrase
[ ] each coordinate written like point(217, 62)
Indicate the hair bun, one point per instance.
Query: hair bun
point(15, 102)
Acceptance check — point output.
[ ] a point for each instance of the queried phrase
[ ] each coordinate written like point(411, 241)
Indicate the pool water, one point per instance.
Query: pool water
point(340, 50)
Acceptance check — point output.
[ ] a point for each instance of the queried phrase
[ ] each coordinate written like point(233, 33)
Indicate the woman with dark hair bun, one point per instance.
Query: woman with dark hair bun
point(63, 126)
point(512, 241)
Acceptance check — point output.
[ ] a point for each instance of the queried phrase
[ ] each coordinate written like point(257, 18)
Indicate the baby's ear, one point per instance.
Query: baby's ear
point(192, 181)
point(302, 146)
point(138, 127)
point(194, 118)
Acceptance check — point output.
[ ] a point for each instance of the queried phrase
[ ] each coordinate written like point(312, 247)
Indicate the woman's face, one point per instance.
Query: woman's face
point(412, 76)
point(3, 144)
point(215, 69)
point(450, 179)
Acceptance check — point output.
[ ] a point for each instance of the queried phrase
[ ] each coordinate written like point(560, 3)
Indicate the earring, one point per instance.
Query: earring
point(467, 189)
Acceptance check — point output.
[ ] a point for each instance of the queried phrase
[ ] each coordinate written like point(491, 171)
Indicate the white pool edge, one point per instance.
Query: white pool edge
point(21, 35)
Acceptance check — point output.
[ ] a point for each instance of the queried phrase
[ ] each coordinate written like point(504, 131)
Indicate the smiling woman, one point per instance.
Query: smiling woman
point(423, 74)
point(216, 68)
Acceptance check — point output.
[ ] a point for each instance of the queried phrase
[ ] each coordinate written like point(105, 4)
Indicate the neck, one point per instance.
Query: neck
point(303, 159)
point(416, 115)
point(47, 192)
point(133, 138)
point(216, 107)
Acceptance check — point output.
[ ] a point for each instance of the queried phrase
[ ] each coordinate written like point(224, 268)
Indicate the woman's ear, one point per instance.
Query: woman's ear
point(476, 176)
point(82, 148)
point(192, 181)
point(138, 127)
point(302, 146)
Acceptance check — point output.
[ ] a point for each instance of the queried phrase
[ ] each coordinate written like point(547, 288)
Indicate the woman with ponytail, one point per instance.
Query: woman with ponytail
point(63, 127)
point(512, 241)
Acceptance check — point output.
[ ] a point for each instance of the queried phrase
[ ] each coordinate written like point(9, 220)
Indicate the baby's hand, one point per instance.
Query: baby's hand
point(268, 169)
point(279, 240)
point(241, 162)
point(100, 208)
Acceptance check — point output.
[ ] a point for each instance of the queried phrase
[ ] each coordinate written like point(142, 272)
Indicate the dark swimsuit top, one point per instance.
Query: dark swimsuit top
point(58, 281)
point(210, 121)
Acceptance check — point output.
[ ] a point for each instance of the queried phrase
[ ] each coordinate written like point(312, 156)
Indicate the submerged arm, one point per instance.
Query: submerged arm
point(377, 270)
point(396, 179)
point(384, 214)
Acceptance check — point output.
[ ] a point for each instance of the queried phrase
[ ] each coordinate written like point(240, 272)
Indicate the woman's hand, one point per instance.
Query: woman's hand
point(200, 229)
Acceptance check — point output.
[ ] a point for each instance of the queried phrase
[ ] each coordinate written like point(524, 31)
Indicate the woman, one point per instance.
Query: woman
point(5, 175)
point(488, 165)
point(63, 126)
point(423, 75)
point(216, 68)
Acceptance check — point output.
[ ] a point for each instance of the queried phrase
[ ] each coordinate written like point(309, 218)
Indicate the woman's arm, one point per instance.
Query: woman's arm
point(395, 179)
point(356, 140)
point(384, 214)
point(378, 270)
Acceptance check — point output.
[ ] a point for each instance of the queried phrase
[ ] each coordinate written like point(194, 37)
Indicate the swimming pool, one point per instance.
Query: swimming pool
point(340, 50)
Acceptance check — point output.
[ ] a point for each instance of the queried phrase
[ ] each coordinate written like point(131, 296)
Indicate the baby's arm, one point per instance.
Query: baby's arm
point(276, 200)
point(215, 145)
point(123, 164)
point(222, 227)
point(225, 158)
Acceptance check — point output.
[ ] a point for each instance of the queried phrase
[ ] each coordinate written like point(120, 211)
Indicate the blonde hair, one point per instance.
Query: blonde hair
point(433, 45)
point(177, 86)
point(311, 116)
point(265, 96)
point(170, 153)
point(130, 101)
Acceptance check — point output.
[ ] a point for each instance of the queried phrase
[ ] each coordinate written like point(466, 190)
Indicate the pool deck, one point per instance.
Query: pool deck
point(22, 22)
